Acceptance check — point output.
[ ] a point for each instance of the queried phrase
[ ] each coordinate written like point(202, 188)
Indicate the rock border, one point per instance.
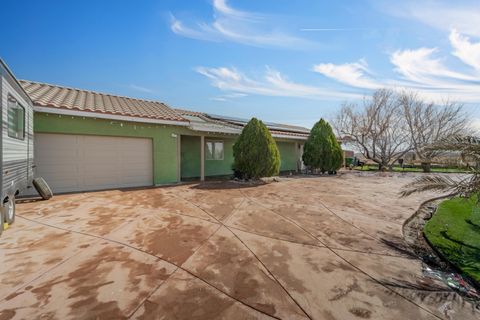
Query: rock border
point(413, 235)
point(412, 230)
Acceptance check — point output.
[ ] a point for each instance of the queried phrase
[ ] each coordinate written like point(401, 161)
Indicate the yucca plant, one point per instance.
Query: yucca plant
point(464, 186)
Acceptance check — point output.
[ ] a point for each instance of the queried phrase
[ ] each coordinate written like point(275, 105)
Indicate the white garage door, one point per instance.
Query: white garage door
point(81, 163)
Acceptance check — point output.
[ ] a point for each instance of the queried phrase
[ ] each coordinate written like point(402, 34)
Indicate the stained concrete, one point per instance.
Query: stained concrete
point(304, 247)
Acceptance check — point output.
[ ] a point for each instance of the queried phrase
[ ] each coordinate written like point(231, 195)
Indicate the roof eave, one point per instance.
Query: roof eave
point(289, 137)
point(213, 129)
point(98, 115)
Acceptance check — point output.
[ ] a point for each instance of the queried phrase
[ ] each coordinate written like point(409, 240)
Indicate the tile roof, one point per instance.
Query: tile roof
point(205, 117)
point(289, 133)
point(289, 130)
point(53, 96)
point(189, 112)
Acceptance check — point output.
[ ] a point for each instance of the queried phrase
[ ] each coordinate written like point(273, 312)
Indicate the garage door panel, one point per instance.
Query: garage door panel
point(133, 181)
point(65, 171)
point(67, 185)
point(80, 162)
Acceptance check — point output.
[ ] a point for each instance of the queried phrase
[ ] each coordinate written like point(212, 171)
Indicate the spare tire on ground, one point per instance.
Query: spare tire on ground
point(1, 221)
point(42, 188)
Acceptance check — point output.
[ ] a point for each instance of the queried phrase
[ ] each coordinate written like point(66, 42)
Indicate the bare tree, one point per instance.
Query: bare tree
point(378, 130)
point(429, 123)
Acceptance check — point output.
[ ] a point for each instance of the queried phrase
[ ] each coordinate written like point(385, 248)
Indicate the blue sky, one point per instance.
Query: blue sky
point(280, 60)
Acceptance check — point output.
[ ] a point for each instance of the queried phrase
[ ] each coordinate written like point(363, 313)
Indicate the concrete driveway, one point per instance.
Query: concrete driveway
point(318, 248)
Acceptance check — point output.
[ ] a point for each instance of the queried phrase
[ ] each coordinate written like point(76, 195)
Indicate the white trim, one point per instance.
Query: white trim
point(213, 149)
point(179, 158)
point(286, 136)
point(214, 129)
point(107, 116)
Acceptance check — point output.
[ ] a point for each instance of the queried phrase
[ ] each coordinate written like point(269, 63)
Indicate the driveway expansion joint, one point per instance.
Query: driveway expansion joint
point(157, 257)
point(348, 262)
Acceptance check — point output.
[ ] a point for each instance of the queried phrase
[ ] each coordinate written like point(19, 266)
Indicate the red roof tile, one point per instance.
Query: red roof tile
point(53, 96)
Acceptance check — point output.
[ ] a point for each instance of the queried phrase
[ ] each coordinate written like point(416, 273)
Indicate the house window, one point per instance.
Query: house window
point(214, 150)
point(16, 119)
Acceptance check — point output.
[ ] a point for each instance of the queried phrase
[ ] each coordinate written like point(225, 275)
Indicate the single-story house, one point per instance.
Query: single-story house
point(87, 140)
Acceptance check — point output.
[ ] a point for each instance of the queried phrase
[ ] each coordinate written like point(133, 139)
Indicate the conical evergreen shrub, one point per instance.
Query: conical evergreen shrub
point(255, 152)
point(322, 150)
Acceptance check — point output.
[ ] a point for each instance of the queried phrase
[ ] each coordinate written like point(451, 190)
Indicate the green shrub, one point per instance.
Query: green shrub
point(322, 150)
point(255, 152)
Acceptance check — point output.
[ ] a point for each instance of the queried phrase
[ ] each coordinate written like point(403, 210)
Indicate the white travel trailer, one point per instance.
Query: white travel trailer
point(16, 143)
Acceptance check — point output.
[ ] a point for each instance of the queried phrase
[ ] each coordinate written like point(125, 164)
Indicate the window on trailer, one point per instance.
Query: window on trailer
point(16, 119)
point(214, 150)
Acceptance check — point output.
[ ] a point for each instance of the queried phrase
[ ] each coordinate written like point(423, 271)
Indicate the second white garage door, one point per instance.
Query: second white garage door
point(80, 163)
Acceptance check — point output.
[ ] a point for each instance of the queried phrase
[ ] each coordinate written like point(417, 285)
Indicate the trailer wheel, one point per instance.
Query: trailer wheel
point(42, 188)
point(9, 210)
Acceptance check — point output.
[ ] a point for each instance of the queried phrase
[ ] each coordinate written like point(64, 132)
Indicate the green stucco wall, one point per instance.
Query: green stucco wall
point(164, 144)
point(288, 155)
point(190, 153)
point(221, 167)
point(190, 157)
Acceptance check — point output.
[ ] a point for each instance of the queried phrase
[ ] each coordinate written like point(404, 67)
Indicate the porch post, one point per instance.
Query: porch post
point(202, 158)
point(297, 154)
point(179, 158)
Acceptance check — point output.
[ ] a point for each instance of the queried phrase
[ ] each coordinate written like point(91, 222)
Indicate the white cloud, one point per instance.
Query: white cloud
point(221, 7)
point(418, 69)
point(420, 66)
point(442, 15)
point(465, 50)
point(222, 99)
point(354, 74)
point(273, 83)
point(422, 70)
point(140, 88)
point(230, 96)
point(238, 26)
point(333, 29)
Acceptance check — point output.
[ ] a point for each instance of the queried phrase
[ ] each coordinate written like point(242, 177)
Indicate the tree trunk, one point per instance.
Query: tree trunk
point(426, 167)
point(382, 167)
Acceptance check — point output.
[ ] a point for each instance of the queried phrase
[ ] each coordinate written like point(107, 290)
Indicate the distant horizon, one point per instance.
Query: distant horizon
point(282, 62)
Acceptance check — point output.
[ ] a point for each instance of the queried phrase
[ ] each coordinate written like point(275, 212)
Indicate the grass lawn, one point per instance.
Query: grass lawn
point(455, 231)
point(399, 169)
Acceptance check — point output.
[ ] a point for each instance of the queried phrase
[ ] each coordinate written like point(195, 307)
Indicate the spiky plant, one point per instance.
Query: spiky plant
point(464, 186)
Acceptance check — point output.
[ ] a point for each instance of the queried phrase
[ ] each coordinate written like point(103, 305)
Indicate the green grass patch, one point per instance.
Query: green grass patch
point(399, 169)
point(454, 231)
